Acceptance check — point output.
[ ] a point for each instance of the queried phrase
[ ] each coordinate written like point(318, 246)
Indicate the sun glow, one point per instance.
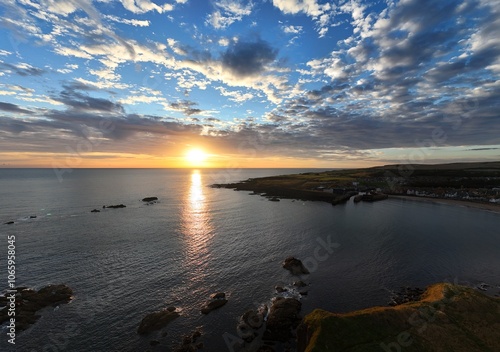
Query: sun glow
point(196, 157)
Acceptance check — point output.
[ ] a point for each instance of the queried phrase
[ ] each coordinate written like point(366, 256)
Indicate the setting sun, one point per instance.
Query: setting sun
point(196, 157)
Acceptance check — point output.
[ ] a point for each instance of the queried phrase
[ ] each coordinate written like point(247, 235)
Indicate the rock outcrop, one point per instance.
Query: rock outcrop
point(282, 319)
point(115, 206)
point(217, 300)
point(157, 320)
point(295, 266)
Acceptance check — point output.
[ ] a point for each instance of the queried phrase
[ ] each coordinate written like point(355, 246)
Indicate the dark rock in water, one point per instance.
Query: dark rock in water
point(218, 295)
point(8, 223)
point(95, 211)
point(149, 199)
point(212, 305)
point(155, 321)
point(32, 216)
point(154, 342)
point(295, 266)
point(274, 199)
point(283, 317)
point(116, 206)
point(29, 301)
point(280, 289)
point(299, 283)
point(171, 309)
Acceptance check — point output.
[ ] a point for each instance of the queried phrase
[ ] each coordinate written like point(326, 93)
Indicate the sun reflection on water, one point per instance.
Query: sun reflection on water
point(196, 224)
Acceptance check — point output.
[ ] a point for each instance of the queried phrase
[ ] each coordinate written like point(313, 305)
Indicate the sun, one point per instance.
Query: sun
point(196, 157)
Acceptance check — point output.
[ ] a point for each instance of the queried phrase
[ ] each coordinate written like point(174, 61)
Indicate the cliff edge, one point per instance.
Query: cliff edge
point(446, 318)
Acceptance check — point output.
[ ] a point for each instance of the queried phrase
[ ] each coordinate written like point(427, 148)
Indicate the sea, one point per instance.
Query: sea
point(196, 240)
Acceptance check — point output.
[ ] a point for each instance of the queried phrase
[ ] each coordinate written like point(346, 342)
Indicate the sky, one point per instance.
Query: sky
point(276, 83)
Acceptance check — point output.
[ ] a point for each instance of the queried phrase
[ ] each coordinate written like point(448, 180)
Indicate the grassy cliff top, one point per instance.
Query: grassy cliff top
point(457, 174)
point(447, 318)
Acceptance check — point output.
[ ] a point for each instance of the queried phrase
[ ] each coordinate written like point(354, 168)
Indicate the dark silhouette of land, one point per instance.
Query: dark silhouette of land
point(477, 183)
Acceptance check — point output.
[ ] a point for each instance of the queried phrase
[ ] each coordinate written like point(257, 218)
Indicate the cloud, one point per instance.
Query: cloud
point(143, 6)
point(227, 12)
point(235, 96)
point(321, 13)
point(292, 29)
point(21, 69)
point(74, 99)
point(8, 107)
point(185, 106)
point(248, 58)
point(133, 22)
point(481, 149)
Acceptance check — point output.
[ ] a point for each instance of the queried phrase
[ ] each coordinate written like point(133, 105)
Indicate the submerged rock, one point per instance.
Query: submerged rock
point(149, 199)
point(157, 320)
point(8, 223)
point(95, 211)
point(295, 266)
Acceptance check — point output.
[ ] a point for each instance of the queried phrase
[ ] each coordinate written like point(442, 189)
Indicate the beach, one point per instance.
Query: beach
point(484, 206)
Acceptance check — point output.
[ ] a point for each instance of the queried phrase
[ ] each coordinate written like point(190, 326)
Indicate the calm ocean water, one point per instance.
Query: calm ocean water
point(125, 263)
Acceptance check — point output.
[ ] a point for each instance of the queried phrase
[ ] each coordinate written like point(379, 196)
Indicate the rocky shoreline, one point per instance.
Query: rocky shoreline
point(28, 303)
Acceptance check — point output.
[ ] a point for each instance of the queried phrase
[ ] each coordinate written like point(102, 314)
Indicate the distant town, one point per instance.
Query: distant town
point(471, 182)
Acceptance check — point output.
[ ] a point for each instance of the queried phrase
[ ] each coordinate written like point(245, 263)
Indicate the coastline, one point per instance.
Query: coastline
point(483, 206)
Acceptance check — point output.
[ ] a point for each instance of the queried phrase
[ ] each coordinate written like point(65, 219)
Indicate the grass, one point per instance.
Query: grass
point(447, 318)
